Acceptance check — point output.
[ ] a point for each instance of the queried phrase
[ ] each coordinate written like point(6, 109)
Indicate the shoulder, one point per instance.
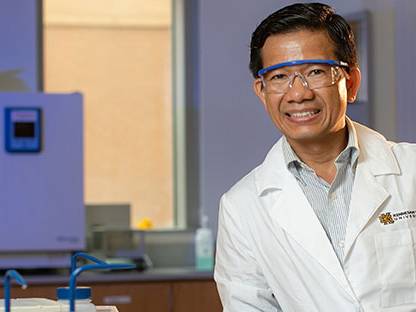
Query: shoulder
point(243, 190)
point(377, 146)
point(405, 154)
point(400, 149)
point(249, 188)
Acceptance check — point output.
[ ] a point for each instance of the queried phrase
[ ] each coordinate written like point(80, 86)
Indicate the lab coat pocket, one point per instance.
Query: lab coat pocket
point(396, 263)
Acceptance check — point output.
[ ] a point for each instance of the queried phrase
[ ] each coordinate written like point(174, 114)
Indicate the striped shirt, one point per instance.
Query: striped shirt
point(329, 201)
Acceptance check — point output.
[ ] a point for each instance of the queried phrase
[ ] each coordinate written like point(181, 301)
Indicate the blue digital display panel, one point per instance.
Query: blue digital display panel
point(23, 129)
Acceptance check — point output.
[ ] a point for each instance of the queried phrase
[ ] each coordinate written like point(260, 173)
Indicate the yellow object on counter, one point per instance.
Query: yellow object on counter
point(145, 224)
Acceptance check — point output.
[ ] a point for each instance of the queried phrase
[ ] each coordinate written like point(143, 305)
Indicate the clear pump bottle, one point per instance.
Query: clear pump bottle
point(204, 246)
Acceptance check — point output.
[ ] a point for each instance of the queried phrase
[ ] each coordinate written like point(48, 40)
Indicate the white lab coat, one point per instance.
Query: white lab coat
point(271, 246)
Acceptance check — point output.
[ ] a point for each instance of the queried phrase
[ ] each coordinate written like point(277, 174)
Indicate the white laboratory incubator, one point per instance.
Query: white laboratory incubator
point(41, 179)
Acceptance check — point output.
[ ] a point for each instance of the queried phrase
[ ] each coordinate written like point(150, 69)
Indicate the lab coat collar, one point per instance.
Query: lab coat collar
point(268, 175)
point(375, 154)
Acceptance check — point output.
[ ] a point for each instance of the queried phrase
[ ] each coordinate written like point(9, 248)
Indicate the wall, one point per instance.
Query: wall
point(235, 132)
point(19, 57)
point(405, 69)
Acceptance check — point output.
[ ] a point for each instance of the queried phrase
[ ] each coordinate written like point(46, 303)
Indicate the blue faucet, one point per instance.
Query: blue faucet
point(84, 255)
point(6, 282)
point(99, 265)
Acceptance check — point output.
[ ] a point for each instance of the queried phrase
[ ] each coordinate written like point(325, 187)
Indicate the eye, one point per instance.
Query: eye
point(279, 77)
point(316, 72)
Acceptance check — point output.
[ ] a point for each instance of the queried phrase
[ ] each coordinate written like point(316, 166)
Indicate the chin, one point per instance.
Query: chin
point(304, 136)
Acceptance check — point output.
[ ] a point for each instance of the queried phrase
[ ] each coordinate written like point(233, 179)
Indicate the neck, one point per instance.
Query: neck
point(320, 154)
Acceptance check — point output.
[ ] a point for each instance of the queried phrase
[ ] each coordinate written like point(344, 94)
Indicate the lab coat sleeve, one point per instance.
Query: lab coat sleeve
point(240, 282)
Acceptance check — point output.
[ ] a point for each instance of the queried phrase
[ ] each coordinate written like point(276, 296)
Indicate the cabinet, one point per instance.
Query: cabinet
point(134, 297)
point(200, 296)
point(165, 296)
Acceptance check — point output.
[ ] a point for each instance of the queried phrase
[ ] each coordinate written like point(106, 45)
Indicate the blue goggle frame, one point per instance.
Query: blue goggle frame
point(261, 72)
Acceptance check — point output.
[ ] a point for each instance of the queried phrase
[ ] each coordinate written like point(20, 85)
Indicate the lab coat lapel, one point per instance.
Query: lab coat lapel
point(291, 210)
point(367, 196)
point(376, 159)
point(294, 214)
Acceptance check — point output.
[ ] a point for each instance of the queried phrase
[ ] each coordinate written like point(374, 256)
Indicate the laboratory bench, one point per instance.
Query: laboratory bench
point(154, 290)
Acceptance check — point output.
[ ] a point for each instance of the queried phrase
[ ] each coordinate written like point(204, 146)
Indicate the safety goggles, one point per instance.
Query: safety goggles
point(313, 74)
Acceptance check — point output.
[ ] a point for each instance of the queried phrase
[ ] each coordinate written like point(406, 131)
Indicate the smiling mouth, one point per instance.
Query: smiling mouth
point(305, 114)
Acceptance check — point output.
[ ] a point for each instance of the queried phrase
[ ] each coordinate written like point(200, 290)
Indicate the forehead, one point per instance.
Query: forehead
point(297, 45)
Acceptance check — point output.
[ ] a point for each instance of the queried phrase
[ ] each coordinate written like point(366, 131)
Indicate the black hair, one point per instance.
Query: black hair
point(305, 16)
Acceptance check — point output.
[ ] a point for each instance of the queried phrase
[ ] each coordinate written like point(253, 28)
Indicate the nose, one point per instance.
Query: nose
point(298, 90)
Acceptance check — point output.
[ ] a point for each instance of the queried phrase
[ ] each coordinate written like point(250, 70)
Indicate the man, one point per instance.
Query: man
point(328, 221)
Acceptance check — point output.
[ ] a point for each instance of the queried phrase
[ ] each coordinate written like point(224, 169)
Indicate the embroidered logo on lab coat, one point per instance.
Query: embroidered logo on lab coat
point(386, 218)
point(389, 218)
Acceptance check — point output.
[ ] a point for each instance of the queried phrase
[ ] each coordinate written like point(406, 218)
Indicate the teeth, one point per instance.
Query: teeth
point(304, 114)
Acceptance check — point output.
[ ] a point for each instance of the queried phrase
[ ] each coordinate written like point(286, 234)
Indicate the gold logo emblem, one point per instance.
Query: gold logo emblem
point(386, 218)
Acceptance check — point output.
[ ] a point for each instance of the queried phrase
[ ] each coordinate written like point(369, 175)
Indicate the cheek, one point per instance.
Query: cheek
point(273, 103)
point(334, 99)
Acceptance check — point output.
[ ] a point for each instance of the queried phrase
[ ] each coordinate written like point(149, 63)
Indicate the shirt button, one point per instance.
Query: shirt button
point(341, 244)
point(332, 196)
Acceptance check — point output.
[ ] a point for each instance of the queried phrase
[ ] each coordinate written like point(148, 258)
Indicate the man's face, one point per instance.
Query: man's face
point(305, 115)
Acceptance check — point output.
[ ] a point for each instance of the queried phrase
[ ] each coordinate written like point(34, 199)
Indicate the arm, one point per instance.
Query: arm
point(240, 282)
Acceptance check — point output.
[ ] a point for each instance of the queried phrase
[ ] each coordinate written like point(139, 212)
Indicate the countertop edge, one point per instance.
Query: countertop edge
point(151, 275)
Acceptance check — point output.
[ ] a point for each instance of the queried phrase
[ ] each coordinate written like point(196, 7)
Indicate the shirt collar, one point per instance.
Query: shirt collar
point(350, 153)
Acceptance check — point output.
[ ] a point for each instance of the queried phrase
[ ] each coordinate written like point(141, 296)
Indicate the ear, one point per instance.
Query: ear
point(353, 84)
point(258, 89)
